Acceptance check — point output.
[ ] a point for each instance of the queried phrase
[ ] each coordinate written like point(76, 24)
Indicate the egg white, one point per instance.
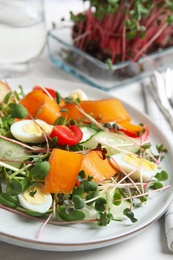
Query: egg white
point(78, 93)
point(30, 131)
point(36, 199)
point(143, 169)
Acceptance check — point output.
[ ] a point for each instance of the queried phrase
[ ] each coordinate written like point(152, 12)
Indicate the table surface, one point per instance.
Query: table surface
point(151, 243)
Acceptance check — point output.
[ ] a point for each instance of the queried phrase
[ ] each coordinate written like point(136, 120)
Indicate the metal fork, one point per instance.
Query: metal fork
point(162, 91)
point(169, 85)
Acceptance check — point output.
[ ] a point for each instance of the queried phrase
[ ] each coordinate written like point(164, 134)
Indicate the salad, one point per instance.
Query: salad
point(74, 160)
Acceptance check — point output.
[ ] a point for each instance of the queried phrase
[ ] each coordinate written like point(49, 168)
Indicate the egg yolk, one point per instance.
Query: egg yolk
point(33, 128)
point(35, 195)
point(137, 162)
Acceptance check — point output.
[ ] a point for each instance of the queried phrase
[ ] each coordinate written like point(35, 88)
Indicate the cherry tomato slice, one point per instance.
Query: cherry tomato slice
point(52, 92)
point(67, 135)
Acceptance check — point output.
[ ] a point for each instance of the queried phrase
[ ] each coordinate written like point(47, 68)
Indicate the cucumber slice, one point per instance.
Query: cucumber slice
point(88, 132)
point(12, 151)
point(113, 141)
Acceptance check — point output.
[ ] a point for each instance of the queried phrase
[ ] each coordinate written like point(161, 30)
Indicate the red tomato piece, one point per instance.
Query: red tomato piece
point(67, 135)
point(52, 92)
point(128, 133)
point(144, 136)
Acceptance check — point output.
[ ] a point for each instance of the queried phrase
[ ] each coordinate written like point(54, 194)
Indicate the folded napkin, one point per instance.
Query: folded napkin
point(161, 112)
point(169, 226)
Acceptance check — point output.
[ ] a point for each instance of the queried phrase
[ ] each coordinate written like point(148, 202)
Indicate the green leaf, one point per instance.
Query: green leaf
point(77, 18)
point(128, 23)
point(33, 213)
point(104, 218)
point(6, 122)
point(146, 146)
point(16, 186)
point(60, 121)
point(112, 1)
point(78, 190)
point(161, 148)
point(93, 186)
point(81, 176)
point(39, 171)
point(67, 101)
point(8, 200)
point(17, 110)
point(170, 5)
point(130, 35)
point(156, 185)
point(78, 202)
point(53, 142)
point(85, 185)
point(128, 213)
point(58, 97)
point(161, 176)
point(117, 198)
point(74, 215)
point(19, 93)
point(7, 98)
point(89, 178)
point(100, 204)
point(100, 13)
point(169, 19)
point(91, 195)
point(112, 8)
point(143, 198)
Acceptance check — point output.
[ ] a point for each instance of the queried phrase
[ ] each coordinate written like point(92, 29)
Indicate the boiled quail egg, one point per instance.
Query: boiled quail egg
point(35, 198)
point(31, 131)
point(78, 93)
point(143, 168)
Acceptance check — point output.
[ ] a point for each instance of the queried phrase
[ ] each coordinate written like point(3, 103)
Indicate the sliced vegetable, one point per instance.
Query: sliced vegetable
point(104, 110)
point(94, 165)
point(50, 91)
point(88, 132)
point(64, 169)
point(40, 106)
point(12, 154)
point(67, 135)
point(113, 142)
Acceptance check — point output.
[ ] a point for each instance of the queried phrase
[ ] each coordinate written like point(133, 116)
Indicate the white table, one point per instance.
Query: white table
point(151, 243)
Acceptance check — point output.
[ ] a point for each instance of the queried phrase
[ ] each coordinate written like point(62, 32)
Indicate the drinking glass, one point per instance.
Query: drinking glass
point(22, 35)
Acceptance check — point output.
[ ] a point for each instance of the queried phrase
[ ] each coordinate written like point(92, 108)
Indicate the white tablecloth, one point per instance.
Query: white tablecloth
point(150, 243)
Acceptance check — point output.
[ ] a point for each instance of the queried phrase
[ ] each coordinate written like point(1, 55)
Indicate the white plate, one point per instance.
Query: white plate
point(22, 231)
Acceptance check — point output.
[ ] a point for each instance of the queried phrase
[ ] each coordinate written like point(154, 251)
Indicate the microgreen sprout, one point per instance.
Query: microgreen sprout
point(116, 30)
point(127, 212)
